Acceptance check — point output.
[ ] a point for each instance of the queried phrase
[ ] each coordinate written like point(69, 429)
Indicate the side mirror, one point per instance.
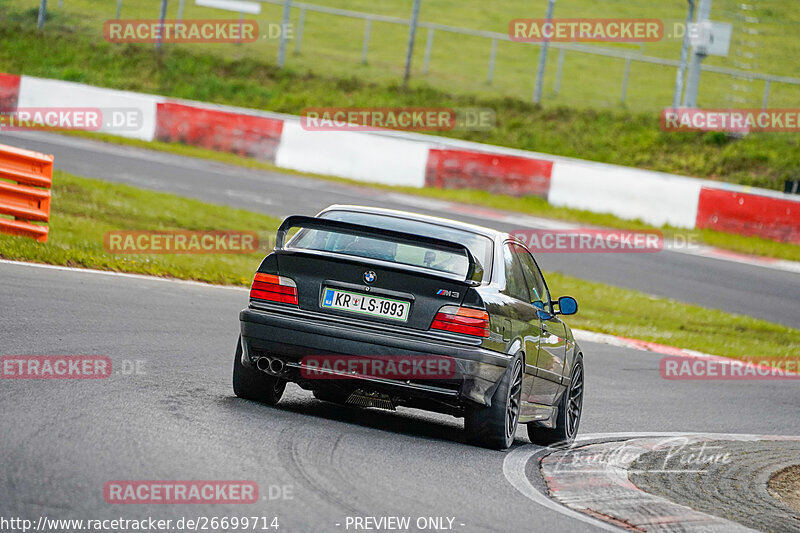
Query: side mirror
point(567, 305)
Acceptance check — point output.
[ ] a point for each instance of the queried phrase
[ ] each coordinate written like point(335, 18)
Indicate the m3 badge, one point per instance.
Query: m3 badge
point(445, 292)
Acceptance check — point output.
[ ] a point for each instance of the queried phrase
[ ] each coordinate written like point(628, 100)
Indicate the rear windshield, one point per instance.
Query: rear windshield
point(415, 255)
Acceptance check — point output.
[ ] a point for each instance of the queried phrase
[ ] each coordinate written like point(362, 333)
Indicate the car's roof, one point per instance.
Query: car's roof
point(471, 228)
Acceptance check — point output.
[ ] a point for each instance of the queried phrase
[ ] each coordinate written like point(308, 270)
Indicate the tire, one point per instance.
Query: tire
point(495, 426)
point(252, 384)
point(333, 396)
point(569, 413)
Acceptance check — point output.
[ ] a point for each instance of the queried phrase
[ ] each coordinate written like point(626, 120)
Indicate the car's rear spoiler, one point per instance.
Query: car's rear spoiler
point(348, 228)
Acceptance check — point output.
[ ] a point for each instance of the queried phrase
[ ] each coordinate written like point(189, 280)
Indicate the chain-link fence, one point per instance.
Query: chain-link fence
point(370, 43)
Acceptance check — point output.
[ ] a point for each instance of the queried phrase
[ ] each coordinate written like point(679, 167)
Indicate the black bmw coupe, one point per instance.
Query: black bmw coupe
point(379, 308)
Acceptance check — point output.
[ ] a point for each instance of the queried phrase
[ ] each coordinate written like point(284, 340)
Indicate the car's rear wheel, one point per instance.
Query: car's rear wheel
point(252, 384)
point(495, 426)
point(569, 413)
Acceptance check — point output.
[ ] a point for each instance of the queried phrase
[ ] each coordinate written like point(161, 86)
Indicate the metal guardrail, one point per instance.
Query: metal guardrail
point(29, 199)
point(495, 37)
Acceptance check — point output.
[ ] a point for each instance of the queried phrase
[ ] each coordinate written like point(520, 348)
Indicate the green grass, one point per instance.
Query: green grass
point(527, 205)
point(69, 49)
point(332, 45)
point(84, 210)
point(637, 315)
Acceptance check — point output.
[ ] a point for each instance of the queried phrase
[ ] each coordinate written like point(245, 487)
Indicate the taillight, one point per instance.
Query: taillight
point(462, 320)
point(274, 288)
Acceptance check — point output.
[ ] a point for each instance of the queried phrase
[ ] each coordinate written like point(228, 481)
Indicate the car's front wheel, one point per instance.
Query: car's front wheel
point(252, 384)
point(495, 426)
point(568, 418)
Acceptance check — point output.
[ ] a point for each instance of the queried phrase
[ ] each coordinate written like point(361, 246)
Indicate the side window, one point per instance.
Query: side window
point(515, 279)
point(533, 276)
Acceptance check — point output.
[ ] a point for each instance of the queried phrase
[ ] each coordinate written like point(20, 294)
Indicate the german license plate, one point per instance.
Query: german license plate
point(366, 304)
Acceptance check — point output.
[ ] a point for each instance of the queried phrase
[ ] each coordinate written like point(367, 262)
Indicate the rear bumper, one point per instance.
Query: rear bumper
point(292, 334)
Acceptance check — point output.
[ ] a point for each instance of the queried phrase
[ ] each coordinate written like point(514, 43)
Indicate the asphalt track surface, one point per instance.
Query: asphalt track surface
point(62, 440)
point(740, 288)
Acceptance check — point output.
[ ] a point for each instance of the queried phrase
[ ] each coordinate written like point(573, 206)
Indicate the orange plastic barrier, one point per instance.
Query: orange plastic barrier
point(27, 200)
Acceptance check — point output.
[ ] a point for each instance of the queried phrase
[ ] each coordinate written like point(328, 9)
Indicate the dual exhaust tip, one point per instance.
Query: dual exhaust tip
point(273, 366)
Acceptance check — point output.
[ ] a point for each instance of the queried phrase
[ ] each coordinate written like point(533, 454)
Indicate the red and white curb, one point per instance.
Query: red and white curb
point(744, 259)
point(417, 160)
point(645, 346)
point(599, 492)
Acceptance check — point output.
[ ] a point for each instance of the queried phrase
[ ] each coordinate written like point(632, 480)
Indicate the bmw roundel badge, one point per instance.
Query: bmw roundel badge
point(370, 276)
